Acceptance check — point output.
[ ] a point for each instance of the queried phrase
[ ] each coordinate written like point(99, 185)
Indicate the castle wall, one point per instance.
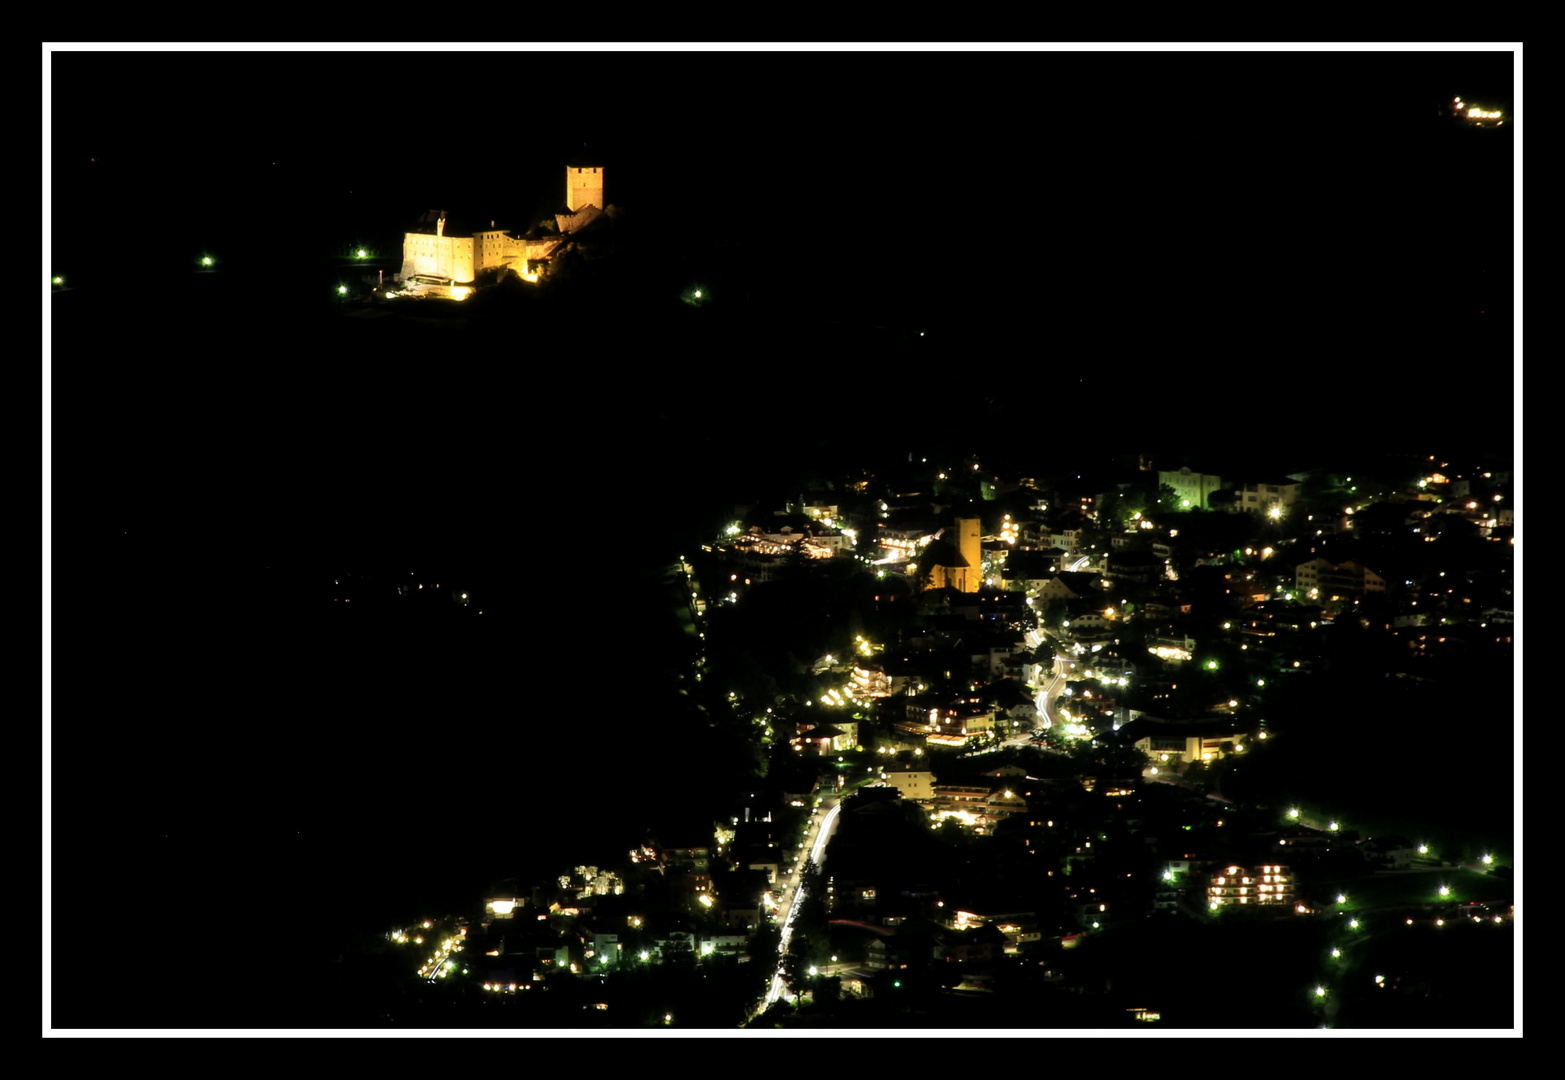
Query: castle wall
point(569, 223)
point(443, 256)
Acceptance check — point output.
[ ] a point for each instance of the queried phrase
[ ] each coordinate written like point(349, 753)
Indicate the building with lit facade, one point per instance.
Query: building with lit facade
point(441, 248)
point(1322, 579)
point(965, 574)
point(1162, 749)
point(950, 726)
point(758, 556)
point(1263, 497)
point(1264, 886)
point(871, 682)
point(1191, 489)
point(911, 782)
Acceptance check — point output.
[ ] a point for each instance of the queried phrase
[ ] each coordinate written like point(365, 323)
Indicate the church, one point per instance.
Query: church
point(443, 255)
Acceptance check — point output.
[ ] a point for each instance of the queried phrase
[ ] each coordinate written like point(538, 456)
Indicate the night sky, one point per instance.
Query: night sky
point(1280, 256)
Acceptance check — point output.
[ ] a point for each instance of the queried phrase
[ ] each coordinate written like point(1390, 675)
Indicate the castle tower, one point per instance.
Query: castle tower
point(584, 187)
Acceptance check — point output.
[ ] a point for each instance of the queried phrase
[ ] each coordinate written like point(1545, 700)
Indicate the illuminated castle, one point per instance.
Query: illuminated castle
point(445, 255)
point(442, 248)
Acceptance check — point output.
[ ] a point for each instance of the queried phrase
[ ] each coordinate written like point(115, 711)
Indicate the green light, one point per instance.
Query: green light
point(342, 290)
point(59, 281)
point(698, 294)
point(206, 260)
point(361, 253)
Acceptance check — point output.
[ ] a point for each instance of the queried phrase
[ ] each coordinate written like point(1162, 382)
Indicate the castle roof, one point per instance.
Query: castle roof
point(456, 225)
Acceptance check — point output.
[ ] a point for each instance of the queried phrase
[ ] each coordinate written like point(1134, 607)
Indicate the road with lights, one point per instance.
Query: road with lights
point(1050, 689)
point(823, 832)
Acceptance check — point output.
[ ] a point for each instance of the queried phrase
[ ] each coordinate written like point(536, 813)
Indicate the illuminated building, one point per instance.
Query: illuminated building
point(1263, 497)
point(1191, 489)
point(871, 682)
point(901, 543)
point(954, 724)
point(1347, 579)
point(759, 556)
point(503, 907)
point(441, 248)
point(1236, 885)
point(911, 782)
point(825, 738)
point(1166, 749)
point(962, 569)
